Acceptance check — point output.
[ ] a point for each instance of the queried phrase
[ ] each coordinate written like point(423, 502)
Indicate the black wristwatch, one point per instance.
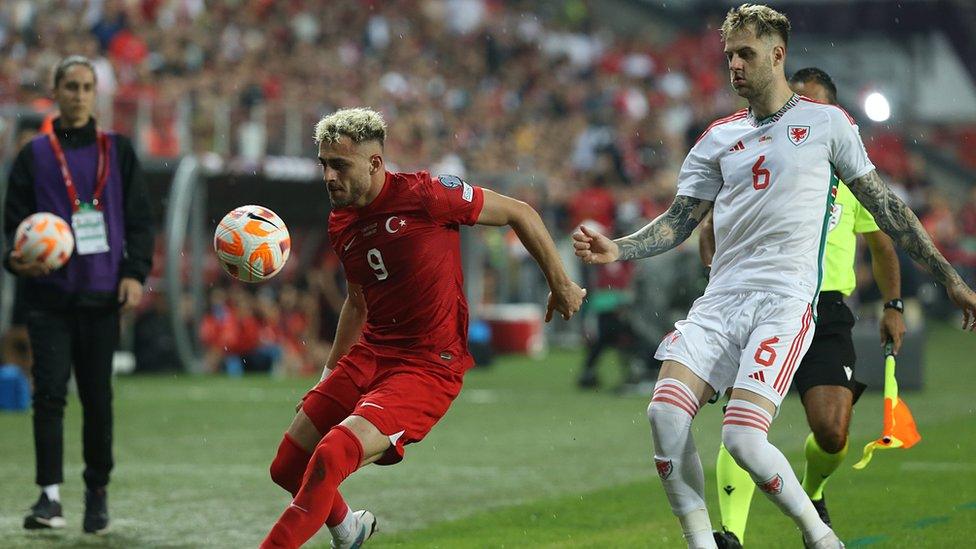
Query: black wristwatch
point(896, 304)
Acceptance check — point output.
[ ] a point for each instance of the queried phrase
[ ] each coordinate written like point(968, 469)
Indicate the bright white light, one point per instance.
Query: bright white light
point(876, 107)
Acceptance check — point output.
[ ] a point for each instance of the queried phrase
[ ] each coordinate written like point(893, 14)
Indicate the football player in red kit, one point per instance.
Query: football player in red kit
point(401, 348)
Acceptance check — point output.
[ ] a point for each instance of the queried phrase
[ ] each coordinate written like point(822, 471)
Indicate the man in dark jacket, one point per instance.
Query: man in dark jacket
point(90, 178)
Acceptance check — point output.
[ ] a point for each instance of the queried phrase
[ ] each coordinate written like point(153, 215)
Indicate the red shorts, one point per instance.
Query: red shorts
point(402, 397)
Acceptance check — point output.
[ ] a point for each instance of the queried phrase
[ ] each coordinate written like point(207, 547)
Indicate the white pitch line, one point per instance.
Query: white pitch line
point(951, 466)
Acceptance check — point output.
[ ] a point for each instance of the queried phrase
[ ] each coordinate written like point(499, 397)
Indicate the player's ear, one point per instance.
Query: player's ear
point(375, 163)
point(779, 54)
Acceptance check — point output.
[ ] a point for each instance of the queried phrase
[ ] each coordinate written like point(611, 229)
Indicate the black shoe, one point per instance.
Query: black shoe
point(821, 506)
point(726, 540)
point(588, 380)
point(44, 514)
point(96, 511)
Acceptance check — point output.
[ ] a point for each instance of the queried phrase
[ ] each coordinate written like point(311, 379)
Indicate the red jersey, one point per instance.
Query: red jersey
point(404, 249)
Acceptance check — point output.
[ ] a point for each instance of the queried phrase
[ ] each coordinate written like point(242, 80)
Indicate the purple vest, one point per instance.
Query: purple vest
point(82, 273)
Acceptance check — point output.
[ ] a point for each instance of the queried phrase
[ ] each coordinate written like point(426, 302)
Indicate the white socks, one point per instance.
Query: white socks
point(744, 435)
point(670, 412)
point(53, 491)
point(697, 529)
point(344, 529)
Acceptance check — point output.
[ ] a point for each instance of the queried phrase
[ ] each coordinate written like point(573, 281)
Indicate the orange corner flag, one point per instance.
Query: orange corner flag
point(899, 425)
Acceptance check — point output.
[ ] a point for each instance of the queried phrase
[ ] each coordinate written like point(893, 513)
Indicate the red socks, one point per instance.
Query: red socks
point(337, 456)
point(289, 465)
point(287, 471)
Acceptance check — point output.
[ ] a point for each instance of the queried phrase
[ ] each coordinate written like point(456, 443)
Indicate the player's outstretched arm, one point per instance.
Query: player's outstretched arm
point(897, 220)
point(667, 231)
point(565, 295)
point(352, 316)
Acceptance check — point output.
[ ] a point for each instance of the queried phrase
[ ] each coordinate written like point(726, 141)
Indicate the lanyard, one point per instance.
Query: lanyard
point(102, 173)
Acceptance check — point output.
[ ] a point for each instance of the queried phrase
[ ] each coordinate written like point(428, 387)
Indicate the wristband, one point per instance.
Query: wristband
point(896, 304)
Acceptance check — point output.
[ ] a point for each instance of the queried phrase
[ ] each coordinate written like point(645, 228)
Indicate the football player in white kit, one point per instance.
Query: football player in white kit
point(770, 172)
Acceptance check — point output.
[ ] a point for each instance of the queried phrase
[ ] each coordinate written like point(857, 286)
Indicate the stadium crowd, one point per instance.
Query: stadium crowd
point(592, 124)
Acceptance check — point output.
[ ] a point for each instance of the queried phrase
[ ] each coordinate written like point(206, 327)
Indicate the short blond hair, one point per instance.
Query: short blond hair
point(359, 125)
point(763, 20)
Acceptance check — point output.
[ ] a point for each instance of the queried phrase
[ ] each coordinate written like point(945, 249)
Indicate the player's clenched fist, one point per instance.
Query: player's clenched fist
point(567, 299)
point(593, 247)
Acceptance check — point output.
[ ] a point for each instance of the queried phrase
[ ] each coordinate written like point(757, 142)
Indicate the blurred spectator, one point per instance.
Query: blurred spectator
point(15, 365)
point(154, 344)
point(596, 121)
point(608, 298)
point(940, 222)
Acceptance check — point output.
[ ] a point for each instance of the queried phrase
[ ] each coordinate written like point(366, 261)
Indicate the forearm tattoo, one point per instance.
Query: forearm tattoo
point(667, 231)
point(897, 220)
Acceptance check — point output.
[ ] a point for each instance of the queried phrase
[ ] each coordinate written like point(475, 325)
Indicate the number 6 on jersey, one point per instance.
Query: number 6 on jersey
point(757, 172)
point(375, 260)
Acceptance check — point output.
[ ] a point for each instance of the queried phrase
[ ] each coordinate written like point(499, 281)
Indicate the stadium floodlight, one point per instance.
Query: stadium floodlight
point(876, 107)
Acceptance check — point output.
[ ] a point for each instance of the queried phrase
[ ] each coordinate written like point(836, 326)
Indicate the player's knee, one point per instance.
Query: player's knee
point(741, 444)
point(284, 476)
point(830, 438)
point(670, 413)
point(289, 465)
point(671, 398)
point(662, 417)
point(744, 433)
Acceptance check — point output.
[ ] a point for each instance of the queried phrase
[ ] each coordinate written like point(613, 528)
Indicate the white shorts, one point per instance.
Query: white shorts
point(748, 340)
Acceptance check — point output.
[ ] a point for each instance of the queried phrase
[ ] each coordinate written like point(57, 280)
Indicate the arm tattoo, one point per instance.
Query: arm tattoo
point(667, 231)
point(901, 224)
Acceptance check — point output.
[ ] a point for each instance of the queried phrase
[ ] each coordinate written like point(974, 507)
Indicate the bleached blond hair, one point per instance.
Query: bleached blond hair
point(359, 125)
point(763, 20)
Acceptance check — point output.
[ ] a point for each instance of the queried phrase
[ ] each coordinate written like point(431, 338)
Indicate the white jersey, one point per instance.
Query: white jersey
point(773, 182)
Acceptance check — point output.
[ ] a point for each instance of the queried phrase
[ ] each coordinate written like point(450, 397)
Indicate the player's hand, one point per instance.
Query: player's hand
point(130, 294)
point(567, 299)
point(892, 328)
point(965, 299)
point(23, 267)
point(592, 247)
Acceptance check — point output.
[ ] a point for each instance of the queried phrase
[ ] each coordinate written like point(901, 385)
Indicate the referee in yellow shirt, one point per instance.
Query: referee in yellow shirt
point(825, 378)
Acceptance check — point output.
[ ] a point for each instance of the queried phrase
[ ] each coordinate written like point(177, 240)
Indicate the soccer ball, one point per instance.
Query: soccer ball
point(252, 243)
point(44, 238)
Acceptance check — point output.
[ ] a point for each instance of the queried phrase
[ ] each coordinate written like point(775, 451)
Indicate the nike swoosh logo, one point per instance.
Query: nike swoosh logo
point(346, 247)
point(259, 218)
point(297, 507)
point(371, 404)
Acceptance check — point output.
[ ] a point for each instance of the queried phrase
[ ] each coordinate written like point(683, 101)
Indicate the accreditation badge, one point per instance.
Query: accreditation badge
point(91, 235)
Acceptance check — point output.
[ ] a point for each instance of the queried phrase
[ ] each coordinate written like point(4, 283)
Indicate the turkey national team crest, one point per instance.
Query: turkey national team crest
point(773, 485)
point(664, 468)
point(394, 224)
point(798, 134)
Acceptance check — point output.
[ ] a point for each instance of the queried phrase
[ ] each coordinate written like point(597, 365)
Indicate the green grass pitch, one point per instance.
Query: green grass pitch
point(521, 459)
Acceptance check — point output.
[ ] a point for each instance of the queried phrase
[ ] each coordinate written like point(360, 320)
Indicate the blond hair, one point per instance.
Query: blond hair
point(763, 20)
point(357, 124)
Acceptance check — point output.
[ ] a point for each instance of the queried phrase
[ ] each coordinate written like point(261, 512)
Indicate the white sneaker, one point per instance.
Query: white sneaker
point(830, 541)
point(365, 526)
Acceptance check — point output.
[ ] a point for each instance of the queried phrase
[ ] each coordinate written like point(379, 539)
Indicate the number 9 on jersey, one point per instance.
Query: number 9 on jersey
point(375, 260)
